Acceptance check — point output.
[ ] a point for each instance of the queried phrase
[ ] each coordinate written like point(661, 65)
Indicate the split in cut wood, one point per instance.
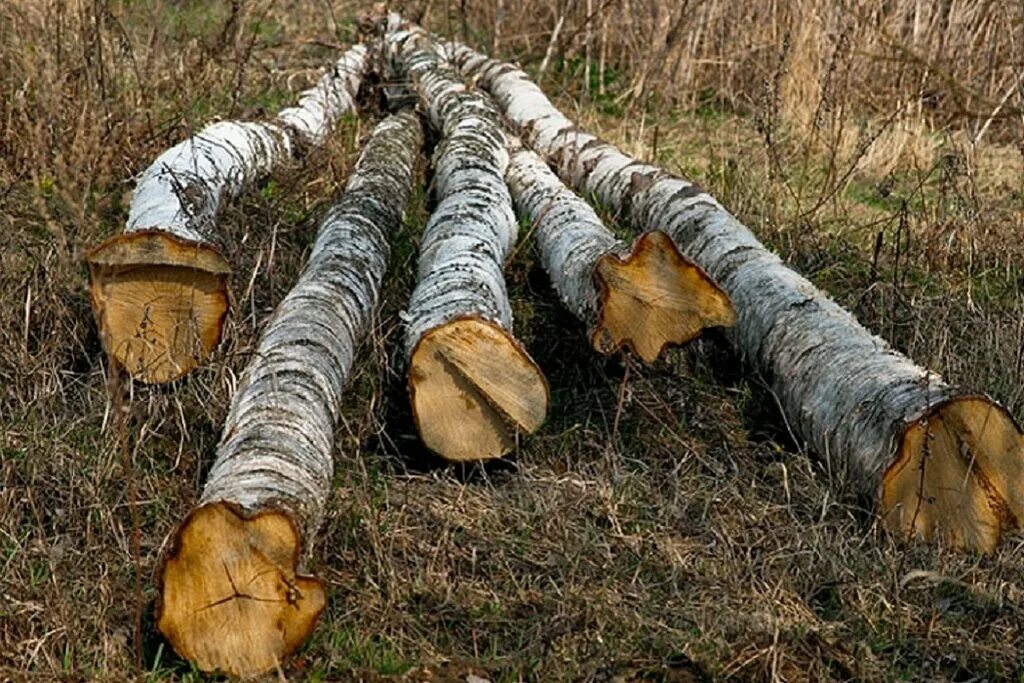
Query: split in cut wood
point(474, 390)
point(958, 476)
point(160, 302)
point(231, 599)
point(654, 298)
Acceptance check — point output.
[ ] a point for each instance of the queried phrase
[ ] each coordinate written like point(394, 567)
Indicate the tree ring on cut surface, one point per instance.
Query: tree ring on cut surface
point(653, 298)
point(231, 599)
point(473, 390)
point(160, 302)
point(958, 475)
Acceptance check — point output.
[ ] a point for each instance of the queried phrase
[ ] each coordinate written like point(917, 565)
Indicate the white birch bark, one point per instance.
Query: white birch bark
point(278, 438)
point(182, 190)
point(473, 228)
point(570, 236)
point(845, 391)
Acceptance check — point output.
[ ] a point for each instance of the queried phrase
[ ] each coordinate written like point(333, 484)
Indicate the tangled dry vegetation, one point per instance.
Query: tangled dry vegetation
point(663, 525)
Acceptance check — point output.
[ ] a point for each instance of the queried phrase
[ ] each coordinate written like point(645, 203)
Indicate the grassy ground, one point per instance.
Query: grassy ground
point(662, 526)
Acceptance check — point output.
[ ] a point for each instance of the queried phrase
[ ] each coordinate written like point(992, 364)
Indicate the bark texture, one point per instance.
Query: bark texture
point(473, 387)
point(846, 392)
point(183, 189)
point(473, 228)
point(645, 297)
point(268, 486)
point(570, 236)
point(159, 290)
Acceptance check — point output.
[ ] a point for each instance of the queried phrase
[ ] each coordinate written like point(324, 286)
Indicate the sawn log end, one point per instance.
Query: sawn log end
point(160, 302)
point(958, 476)
point(654, 298)
point(474, 390)
point(231, 599)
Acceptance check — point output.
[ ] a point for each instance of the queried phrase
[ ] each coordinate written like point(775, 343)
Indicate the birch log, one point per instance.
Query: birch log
point(645, 298)
point(473, 387)
point(939, 464)
point(159, 289)
point(232, 596)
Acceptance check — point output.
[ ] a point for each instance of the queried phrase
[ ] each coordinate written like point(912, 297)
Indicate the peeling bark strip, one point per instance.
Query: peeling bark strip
point(159, 289)
point(473, 388)
point(645, 298)
point(232, 597)
point(939, 464)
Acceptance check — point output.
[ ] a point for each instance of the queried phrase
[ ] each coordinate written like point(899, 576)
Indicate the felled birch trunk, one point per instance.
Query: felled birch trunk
point(938, 463)
point(159, 289)
point(474, 389)
point(232, 596)
point(645, 297)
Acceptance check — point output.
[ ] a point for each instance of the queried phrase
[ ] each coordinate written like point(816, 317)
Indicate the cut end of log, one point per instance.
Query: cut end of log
point(159, 301)
point(655, 298)
point(958, 476)
point(231, 600)
point(474, 390)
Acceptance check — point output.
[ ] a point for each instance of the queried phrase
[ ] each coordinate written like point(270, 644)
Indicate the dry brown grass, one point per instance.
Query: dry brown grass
point(662, 521)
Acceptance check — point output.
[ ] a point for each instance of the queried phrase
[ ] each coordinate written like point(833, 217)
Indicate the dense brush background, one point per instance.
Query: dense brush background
point(664, 525)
